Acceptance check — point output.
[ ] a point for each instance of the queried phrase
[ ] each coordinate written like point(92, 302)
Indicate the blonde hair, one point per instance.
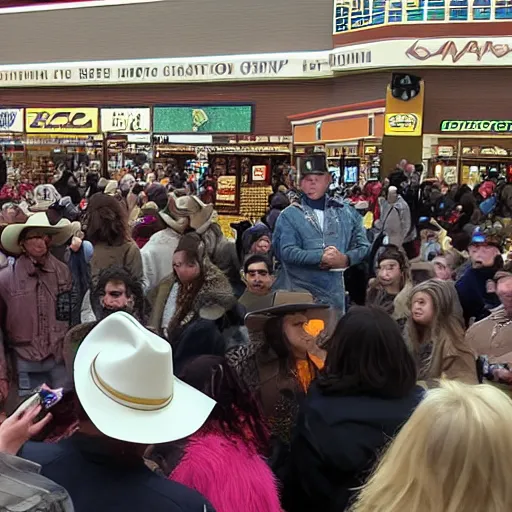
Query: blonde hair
point(453, 455)
point(447, 329)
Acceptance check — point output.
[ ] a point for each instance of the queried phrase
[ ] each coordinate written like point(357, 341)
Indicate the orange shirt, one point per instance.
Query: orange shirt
point(305, 373)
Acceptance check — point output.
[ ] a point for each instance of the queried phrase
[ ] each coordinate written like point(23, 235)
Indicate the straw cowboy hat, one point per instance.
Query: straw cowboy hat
point(282, 303)
point(124, 380)
point(60, 232)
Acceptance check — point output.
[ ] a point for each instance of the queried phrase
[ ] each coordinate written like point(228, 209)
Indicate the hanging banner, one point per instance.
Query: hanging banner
point(11, 120)
point(62, 120)
point(125, 120)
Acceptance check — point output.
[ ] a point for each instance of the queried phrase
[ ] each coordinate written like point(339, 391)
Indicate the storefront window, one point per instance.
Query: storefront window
point(395, 11)
point(503, 10)
point(436, 10)
point(482, 9)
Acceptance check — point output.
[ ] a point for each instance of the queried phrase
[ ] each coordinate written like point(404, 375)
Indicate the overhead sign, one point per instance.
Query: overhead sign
point(61, 120)
point(203, 119)
point(404, 118)
point(492, 126)
point(11, 120)
point(125, 120)
point(390, 54)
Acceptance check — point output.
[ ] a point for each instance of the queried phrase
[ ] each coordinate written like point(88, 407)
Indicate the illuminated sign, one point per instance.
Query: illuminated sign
point(125, 120)
point(11, 120)
point(226, 190)
point(493, 126)
point(203, 119)
point(259, 172)
point(404, 118)
point(403, 124)
point(62, 120)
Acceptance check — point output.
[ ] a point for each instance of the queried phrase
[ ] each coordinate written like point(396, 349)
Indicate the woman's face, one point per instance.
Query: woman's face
point(293, 327)
point(422, 308)
point(186, 270)
point(389, 273)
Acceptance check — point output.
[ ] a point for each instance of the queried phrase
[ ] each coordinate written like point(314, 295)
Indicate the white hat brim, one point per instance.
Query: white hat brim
point(10, 239)
point(185, 414)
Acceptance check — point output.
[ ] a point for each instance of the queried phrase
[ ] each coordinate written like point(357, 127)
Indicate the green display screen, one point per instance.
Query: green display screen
point(494, 126)
point(203, 119)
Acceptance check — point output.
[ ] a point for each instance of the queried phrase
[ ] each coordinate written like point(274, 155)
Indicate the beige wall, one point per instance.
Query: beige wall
point(171, 28)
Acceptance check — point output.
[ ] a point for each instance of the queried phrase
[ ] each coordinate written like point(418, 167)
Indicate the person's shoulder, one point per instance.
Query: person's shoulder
point(43, 453)
point(174, 496)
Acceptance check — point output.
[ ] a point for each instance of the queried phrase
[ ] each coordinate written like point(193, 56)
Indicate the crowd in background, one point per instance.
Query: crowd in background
point(351, 350)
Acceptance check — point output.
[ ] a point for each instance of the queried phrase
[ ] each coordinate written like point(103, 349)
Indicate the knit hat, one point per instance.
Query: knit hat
point(253, 234)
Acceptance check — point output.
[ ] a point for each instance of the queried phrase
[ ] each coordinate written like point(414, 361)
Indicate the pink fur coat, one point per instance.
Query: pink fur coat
point(229, 474)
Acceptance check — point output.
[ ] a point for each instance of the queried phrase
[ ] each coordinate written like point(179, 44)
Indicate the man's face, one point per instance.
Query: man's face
point(315, 185)
point(36, 243)
point(442, 268)
point(115, 297)
point(483, 255)
point(504, 292)
point(259, 280)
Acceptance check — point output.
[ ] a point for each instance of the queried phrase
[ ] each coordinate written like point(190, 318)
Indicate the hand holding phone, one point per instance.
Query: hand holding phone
point(18, 428)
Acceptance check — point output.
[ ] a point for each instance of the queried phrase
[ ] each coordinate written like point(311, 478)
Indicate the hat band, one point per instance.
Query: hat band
point(143, 404)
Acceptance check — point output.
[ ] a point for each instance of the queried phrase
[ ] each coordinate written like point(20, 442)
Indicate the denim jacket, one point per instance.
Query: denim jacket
point(299, 242)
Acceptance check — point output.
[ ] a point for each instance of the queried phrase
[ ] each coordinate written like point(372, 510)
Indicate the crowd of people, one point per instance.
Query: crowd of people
point(348, 351)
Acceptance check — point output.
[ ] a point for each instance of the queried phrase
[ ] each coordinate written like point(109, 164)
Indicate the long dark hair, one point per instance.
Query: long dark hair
point(368, 355)
point(236, 413)
point(107, 221)
point(194, 250)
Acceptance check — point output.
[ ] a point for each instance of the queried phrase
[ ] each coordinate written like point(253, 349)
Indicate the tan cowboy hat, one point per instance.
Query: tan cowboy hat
point(199, 213)
point(60, 232)
point(282, 303)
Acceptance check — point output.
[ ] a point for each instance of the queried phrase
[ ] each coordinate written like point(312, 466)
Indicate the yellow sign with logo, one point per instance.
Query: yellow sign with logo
point(62, 120)
point(404, 118)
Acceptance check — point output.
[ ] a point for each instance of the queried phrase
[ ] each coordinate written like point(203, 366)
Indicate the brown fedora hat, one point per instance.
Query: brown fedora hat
point(282, 303)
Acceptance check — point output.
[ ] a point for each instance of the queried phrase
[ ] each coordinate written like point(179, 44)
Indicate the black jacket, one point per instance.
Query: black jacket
point(336, 443)
point(96, 482)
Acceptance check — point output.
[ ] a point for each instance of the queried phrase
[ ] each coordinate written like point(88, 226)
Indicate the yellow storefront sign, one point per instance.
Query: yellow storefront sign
point(62, 120)
point(404, 118)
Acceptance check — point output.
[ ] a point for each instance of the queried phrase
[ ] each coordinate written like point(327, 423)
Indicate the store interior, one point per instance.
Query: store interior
point(470, 160)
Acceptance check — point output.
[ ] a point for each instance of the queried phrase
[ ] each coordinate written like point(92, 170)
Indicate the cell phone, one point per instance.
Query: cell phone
point(43, 396)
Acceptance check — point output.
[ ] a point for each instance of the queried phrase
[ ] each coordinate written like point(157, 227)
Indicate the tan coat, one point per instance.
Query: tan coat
point(458, 365)
point(492, 337)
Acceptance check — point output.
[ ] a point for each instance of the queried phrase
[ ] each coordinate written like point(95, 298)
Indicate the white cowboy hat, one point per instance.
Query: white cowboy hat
point(44, 196)
point(124, 380)
point(60, 232)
